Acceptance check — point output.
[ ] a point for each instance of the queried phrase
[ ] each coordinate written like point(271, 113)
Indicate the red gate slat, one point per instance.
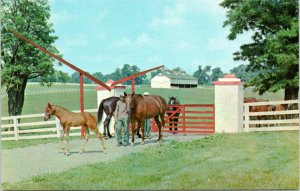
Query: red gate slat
point(200, 121)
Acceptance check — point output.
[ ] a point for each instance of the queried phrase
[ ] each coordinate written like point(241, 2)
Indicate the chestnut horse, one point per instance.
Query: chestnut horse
point(70, 119)
point(258, 108)
point(142, 107)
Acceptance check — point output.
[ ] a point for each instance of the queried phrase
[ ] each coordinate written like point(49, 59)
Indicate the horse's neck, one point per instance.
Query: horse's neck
point(59, 112)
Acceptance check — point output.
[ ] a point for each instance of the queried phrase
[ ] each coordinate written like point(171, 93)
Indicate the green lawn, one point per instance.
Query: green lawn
point(257, 160)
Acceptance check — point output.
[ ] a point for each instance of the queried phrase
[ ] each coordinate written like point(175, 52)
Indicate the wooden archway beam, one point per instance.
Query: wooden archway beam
point(63, 61)
point(132, 77)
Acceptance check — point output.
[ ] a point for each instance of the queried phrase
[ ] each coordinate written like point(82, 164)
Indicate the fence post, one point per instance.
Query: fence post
point(247, 118)
point(183, 118)
point(16, 130)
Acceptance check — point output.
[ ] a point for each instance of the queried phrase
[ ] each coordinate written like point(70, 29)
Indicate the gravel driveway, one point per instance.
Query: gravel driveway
point(24, 163)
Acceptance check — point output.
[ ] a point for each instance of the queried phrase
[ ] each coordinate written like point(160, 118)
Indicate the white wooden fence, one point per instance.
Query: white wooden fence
point(51, 129)
point(272, 119)
point(34, 130)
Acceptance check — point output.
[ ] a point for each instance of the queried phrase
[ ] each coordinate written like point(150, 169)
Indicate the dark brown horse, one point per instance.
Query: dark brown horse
point(107, 105)
point(142, 107)
point(173, 121)
point(70, 119)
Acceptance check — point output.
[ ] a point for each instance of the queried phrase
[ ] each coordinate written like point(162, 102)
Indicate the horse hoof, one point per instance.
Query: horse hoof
point(104, 152)
point(132, 144)
point(142, 143)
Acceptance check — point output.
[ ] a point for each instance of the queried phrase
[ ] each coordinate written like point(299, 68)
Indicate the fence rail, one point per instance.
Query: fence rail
point(15, 130)
point(271, 120)
point(47, 91)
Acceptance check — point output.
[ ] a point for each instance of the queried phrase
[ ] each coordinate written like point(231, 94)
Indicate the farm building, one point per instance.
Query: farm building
point(173, 80)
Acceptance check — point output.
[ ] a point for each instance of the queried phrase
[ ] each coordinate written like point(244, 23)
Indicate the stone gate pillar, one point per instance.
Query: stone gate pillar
point(229, 96)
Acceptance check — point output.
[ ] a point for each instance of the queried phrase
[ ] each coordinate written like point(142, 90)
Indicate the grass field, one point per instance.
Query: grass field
point(257, 160)
point(36, 103)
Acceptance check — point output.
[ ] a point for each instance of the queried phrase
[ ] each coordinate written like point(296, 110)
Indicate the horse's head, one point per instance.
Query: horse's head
point(173, 101)
point(128, 100)
point(49, 111)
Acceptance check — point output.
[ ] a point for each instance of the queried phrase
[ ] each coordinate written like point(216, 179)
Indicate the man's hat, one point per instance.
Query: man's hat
point(146, 93)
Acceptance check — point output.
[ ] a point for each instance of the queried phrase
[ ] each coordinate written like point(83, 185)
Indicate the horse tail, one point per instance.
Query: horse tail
point(100, 111)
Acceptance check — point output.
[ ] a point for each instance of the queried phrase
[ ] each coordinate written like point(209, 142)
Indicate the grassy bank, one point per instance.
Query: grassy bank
point(258, 160)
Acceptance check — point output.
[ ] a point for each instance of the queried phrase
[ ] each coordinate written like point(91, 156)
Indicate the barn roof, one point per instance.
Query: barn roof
point(179, 78)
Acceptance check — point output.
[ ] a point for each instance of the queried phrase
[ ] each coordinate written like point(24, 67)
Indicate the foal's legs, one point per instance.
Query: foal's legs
point(87, 135)
point(99, 135)
point(67, 130)
point(62, 134)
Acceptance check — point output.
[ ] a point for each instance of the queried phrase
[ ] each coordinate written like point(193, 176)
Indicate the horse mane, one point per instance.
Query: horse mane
point(61, 107)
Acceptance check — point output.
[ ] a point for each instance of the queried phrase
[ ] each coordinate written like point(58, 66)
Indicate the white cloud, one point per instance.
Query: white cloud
point(170, 16)
point(178, 15)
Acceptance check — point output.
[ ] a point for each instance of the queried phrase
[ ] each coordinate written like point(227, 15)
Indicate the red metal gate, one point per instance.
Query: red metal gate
point(193, 118)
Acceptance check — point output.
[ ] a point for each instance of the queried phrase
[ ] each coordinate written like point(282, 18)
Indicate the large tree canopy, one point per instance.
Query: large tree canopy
point(20, 60)
point(274, 49)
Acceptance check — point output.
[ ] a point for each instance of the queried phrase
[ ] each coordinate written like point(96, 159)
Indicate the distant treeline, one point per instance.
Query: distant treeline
point(204, 76)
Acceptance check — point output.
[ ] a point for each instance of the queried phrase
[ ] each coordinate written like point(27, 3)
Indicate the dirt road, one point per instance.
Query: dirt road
point(24, 163)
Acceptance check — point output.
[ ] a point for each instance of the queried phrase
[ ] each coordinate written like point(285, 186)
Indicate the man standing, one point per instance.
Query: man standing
point(147, 125)
point(122, 120)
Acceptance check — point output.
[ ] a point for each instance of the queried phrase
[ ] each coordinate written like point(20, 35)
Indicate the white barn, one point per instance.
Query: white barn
point(173, 80)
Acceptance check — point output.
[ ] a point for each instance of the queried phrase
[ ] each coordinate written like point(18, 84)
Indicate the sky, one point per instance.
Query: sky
point(102, 35)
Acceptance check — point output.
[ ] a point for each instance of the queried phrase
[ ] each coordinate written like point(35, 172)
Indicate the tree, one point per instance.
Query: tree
point(274, 49)
point(242, 73)
point(203, 75)
point(58, 76)
point(116, 75)
point(20, 60)
point(141, 79)
point(178, 70)
point(75, 78)
point(216, 73)
point(100, 76)
point(61, 76)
